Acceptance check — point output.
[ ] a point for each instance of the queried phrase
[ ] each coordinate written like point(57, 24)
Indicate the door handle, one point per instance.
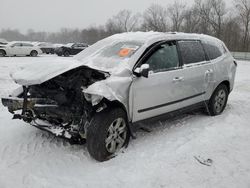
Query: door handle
point(178, 79)
point(210, 71)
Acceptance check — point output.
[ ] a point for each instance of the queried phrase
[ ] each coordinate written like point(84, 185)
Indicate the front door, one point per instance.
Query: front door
point(160, 92)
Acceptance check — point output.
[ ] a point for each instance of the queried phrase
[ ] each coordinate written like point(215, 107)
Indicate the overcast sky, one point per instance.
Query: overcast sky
point(52, 15)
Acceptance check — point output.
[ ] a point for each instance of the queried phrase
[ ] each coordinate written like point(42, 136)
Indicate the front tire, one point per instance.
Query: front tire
point(33, 53)
point(218, 101)
point(107, 134)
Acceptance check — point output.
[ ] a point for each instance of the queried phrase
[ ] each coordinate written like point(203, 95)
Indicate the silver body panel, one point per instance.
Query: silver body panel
point(160, 93)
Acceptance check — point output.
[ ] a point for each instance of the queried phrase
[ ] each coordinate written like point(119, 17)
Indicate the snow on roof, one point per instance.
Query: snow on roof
point(94, 58)
point(148, 36)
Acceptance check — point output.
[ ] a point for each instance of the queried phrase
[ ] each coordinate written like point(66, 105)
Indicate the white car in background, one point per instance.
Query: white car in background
point(19, 49)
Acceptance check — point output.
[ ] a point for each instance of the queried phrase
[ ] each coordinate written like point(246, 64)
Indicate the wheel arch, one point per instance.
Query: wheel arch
point(3, 51)
point(33, 50)
point(116, 104)
point(226, 83)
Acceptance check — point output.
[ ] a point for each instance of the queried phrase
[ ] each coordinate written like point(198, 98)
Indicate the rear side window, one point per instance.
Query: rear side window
point(192, 52)
point(212, 51)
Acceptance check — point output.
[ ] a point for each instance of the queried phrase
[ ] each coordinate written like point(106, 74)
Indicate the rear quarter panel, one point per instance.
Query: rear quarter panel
point(225, 70)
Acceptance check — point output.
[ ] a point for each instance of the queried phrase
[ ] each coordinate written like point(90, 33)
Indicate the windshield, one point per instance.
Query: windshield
point(109, 54)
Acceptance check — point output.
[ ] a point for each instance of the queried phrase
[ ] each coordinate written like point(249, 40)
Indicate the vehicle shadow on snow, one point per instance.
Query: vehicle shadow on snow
point(176, 121)
point(142, 133)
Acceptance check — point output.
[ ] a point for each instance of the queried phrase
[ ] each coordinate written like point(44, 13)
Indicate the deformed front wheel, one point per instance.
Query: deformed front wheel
point(218, 101)
point(107, 134)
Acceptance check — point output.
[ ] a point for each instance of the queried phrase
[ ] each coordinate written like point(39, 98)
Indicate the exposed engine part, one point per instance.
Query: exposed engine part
point(60, 102)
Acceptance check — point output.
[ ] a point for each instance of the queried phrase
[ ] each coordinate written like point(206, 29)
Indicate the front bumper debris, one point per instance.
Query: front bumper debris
point(24, 110)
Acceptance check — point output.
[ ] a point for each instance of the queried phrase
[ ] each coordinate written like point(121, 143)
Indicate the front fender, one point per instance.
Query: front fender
point(113, 89)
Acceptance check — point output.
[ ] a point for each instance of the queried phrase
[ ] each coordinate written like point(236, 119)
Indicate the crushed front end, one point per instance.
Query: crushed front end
point(59, 105)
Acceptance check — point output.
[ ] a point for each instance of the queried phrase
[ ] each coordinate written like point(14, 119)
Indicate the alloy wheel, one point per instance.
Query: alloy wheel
point(220, 101)
point(116, 137)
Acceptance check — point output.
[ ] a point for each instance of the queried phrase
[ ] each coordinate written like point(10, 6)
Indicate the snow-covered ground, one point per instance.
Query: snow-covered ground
point(165, 157)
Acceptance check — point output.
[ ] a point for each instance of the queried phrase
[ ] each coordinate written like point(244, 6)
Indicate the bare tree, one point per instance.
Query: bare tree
point(243, 7)
point(11, 35)
point(232, 33)
point(176, 11)
point(191, 21)
point(212, 12)
point(205, 16)
point(124, 21)
point(155, 18)
point(93, 34)
point(217, 16)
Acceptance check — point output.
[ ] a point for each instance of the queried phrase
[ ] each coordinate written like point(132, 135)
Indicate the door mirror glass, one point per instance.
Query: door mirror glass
point(142, 71)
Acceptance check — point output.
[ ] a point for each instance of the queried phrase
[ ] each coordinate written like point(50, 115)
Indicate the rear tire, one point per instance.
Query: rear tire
point(2, 53)
point(33, 53)
point(218, 101)
point(107, 134)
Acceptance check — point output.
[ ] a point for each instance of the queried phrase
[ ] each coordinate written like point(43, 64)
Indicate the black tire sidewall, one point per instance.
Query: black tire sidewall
point(98, 130)
point(211, 106)
point(2, 52)
point(33, 53)
point(66, 54)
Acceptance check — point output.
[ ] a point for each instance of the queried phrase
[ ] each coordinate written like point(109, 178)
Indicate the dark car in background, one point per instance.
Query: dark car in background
point(46, 47)
point(70, 49)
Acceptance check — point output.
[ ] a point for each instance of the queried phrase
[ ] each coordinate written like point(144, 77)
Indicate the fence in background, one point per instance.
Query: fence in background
point(241, 55)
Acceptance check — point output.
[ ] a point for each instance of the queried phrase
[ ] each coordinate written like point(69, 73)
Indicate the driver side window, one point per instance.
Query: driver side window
point(164, 58)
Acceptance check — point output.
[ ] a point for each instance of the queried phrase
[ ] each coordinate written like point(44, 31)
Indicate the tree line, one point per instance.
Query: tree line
point(212, 17)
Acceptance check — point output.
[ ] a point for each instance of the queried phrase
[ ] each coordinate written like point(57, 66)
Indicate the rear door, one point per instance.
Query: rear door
point(194, 69)
point(218, 61)
point(26, 48)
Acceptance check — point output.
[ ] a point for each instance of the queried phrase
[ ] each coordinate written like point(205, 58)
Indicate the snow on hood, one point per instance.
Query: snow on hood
point(40, 72)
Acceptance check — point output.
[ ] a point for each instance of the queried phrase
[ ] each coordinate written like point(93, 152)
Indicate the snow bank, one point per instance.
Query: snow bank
point(164, 157)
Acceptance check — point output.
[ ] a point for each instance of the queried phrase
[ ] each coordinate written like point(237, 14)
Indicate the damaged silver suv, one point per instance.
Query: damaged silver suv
point(121, 81)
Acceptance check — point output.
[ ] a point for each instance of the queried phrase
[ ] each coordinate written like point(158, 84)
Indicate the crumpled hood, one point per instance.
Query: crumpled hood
point(43, 71)
point(40, 72)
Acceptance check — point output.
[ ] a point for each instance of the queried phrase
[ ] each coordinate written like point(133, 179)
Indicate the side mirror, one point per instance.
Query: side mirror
point(142, 71)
